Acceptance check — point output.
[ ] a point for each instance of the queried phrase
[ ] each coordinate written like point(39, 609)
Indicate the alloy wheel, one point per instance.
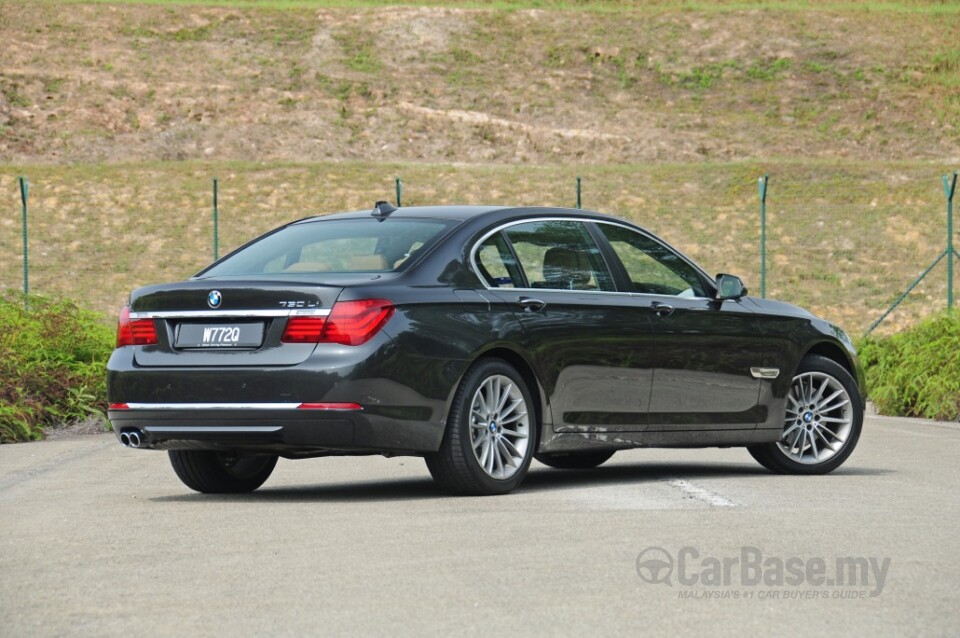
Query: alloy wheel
point(819, 418)
point(499, 427)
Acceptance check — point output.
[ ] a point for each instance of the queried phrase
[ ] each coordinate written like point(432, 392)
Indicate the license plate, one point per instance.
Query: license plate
point(233, 335)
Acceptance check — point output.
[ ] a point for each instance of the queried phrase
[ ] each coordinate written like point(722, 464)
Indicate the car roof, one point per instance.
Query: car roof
point(461, 213)
point(434, 212)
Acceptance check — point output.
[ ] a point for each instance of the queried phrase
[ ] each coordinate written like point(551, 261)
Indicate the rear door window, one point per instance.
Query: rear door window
point(559, 254)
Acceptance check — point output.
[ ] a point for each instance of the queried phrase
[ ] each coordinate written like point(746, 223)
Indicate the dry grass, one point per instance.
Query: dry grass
point(669, 82)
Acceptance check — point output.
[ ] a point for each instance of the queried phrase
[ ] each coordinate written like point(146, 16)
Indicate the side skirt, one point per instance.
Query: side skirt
point(591, 441)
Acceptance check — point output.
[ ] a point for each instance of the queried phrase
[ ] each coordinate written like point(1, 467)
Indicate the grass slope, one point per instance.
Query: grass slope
point(663, 82)
point(645, 6)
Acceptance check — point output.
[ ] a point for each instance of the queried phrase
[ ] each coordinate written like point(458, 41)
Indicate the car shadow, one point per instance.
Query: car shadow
point(404, 489)
point(539, 479)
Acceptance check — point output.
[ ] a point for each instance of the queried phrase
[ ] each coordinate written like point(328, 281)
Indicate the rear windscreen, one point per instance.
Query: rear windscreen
point(335, 246)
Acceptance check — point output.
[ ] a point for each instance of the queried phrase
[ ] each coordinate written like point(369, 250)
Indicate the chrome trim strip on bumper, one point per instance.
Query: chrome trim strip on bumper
point(199, 429)
point(765, 373)
point(230, 314)
point(214, 406)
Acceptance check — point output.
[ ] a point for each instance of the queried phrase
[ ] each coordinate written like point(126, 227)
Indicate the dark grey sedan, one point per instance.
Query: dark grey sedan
point(478, 338)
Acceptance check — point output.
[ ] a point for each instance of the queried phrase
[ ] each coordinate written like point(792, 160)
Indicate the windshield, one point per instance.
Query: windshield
point(334, 246)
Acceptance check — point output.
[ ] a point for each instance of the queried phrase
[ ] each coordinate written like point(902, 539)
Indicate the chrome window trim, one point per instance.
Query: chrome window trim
point(230, 314)
point(486, 236)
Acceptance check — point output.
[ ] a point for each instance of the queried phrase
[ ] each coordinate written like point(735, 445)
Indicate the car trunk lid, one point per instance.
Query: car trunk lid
point(225, 323)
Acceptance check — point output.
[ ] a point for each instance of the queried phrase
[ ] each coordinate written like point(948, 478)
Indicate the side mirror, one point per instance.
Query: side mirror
point(729, 287)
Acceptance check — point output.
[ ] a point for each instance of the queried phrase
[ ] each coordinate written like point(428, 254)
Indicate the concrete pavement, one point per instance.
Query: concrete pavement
point(96, 539)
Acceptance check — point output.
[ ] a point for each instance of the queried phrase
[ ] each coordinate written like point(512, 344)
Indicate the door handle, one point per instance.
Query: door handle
point(531, 305)
point(662, 309)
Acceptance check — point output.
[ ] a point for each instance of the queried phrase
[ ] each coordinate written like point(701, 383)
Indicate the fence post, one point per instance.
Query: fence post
point(216, 221)
point(579, 201)
point(24, 193)
point(762, 185)
point(949, 187)
point(399, 192)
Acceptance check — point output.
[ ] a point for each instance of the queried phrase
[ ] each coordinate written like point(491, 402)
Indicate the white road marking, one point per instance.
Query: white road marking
point(654, 495)
point(617, 497)
point(701, 493)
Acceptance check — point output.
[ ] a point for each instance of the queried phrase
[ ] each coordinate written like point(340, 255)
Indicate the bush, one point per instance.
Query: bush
point(916, 372)
point(52, 365)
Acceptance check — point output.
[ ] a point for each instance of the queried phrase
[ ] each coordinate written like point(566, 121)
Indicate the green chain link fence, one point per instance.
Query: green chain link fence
point(850, 253)
point(844, 241)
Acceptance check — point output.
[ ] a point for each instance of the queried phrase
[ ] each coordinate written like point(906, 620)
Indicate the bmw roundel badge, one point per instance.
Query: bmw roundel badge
point(214, 298)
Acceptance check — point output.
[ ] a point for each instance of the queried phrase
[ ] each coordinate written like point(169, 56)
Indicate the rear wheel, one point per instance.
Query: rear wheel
point(822, 424)
point(575, 460)
point(221, 472)
point(491, 433)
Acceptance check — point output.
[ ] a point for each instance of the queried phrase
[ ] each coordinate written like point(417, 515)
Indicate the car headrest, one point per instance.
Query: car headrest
point(566, 268)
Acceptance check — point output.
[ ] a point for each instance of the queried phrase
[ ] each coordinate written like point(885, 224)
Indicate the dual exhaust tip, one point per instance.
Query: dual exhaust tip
point(131, 438)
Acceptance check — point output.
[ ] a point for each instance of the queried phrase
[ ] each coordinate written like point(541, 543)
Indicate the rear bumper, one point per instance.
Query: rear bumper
point(274, 428)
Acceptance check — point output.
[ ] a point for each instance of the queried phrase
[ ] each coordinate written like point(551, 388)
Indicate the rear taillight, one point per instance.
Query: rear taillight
point(354, 322)
point(350, 323)
point(135, 332)
point(303, 330)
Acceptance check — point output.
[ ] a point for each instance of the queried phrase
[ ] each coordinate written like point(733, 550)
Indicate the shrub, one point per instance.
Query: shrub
point(916, 372)
point(52, 365)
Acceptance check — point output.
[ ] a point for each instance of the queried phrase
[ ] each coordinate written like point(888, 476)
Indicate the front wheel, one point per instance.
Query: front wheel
point(822, 424)
point(491, 433)
point(221, 472)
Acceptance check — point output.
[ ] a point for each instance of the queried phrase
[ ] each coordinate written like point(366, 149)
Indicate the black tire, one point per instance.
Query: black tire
point(772, 455)
point(575, 460)
point(456, 466)
point(221, 472)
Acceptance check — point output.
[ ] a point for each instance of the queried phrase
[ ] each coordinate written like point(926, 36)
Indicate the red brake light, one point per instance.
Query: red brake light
point(136, 332)
point(350, 323)
point(354, 322)
point(303, 330)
